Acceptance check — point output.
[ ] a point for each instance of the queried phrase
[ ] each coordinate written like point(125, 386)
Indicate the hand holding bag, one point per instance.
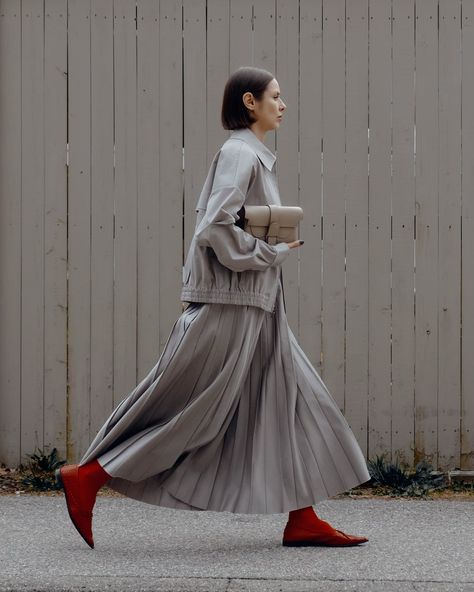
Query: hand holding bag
point(272, 223)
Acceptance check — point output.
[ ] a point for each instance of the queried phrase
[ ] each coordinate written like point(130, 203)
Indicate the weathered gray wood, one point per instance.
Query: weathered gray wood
point(380, 88)
point(194, 111)
point(32, 231)
point(218, 70)
point(333, 80)
point(265, 23)
point(356, 195)
point(426, 255)
point(240, 34)
point(79, 229)
point(148, 175)
point(10, 232)
point(287, 66)
point(449, 248)
point(102, 215)
point(310, 178)
point(170, 132)
point(125, 198)
point(403, 232)
point(55, 225)
point(467, 286)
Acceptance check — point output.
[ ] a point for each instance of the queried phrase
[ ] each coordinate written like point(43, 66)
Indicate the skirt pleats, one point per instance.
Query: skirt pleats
point(233, 417)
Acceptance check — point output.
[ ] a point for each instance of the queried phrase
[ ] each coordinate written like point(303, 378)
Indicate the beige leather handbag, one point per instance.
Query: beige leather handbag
point(271, 223)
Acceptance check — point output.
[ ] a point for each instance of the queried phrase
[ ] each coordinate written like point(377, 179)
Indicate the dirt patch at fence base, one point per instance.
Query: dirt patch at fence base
point(10, 484)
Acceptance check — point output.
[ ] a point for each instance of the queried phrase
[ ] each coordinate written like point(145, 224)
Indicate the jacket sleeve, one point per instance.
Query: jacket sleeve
point(236, 249)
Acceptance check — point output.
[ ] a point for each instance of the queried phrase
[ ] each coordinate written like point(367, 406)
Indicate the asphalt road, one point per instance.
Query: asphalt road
point(413, 545)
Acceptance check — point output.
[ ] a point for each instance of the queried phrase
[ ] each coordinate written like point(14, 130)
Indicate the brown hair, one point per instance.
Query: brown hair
point(234, 114)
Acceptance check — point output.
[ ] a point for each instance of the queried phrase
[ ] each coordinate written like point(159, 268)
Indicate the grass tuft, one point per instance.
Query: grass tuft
point(403, 482)
point(39, 471)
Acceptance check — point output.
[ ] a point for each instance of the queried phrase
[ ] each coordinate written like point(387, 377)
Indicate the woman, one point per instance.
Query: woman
point(233, 417)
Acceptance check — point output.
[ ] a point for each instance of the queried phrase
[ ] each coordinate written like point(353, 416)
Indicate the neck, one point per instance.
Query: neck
point(259, 132)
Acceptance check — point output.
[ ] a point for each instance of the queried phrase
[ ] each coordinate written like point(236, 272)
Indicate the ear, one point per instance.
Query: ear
point(248, 100)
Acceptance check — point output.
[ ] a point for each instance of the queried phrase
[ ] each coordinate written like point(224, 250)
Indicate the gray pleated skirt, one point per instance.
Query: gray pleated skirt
point(233, 417)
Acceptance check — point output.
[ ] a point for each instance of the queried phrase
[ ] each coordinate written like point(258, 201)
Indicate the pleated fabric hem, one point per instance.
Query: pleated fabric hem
point(162, 497)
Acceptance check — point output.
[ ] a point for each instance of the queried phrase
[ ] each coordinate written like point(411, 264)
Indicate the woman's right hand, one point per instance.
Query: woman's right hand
point(294, 244)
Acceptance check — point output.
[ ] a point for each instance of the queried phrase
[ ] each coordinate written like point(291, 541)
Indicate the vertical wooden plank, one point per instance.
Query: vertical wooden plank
point(125, 193)
point(379, 296)
point(287, 74)
point(148, 105)
point(467, 221)
point(32, 228)
point(333, 81)
point(264, 56)
point(310, 141)
point(403, 232)
point(79, 228)
point(218, 64)
point(194, 110)
point(55, 225)
point(356, 192)
point(241, 34)
point(171, 165)
point(10, 232)
point(426, 254)
point(102, 213)
point(449, 261)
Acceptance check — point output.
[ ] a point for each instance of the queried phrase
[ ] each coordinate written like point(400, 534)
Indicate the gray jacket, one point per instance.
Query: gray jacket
point(224, 263)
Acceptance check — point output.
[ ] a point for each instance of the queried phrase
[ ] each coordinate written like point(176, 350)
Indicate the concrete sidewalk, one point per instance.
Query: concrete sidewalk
point(414, 545)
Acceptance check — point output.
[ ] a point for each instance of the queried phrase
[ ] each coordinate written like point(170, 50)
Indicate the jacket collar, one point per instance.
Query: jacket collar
point(263, 152)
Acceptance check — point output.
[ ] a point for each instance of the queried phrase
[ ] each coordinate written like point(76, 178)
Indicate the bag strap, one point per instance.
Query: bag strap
point(273, 226)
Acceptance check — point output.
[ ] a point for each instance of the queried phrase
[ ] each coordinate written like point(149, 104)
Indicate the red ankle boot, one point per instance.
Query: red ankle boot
point(81, 484)
point(304, 528)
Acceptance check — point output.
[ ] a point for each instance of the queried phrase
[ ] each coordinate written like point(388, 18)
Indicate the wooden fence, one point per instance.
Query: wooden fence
point(110, 116)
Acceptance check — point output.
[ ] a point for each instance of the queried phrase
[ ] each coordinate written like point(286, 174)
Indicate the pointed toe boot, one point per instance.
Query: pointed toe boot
point(305, 529)
point(80, 485)
point(302, 537)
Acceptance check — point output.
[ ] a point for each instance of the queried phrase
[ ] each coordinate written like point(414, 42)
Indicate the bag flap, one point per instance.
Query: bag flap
point(257, 215)
point(284, 215)
point(288, 215)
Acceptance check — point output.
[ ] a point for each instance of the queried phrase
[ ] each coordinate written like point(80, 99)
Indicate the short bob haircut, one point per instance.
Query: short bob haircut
point(234, 114)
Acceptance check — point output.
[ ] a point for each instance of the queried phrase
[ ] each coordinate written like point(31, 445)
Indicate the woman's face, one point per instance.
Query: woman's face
point(269, 110)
